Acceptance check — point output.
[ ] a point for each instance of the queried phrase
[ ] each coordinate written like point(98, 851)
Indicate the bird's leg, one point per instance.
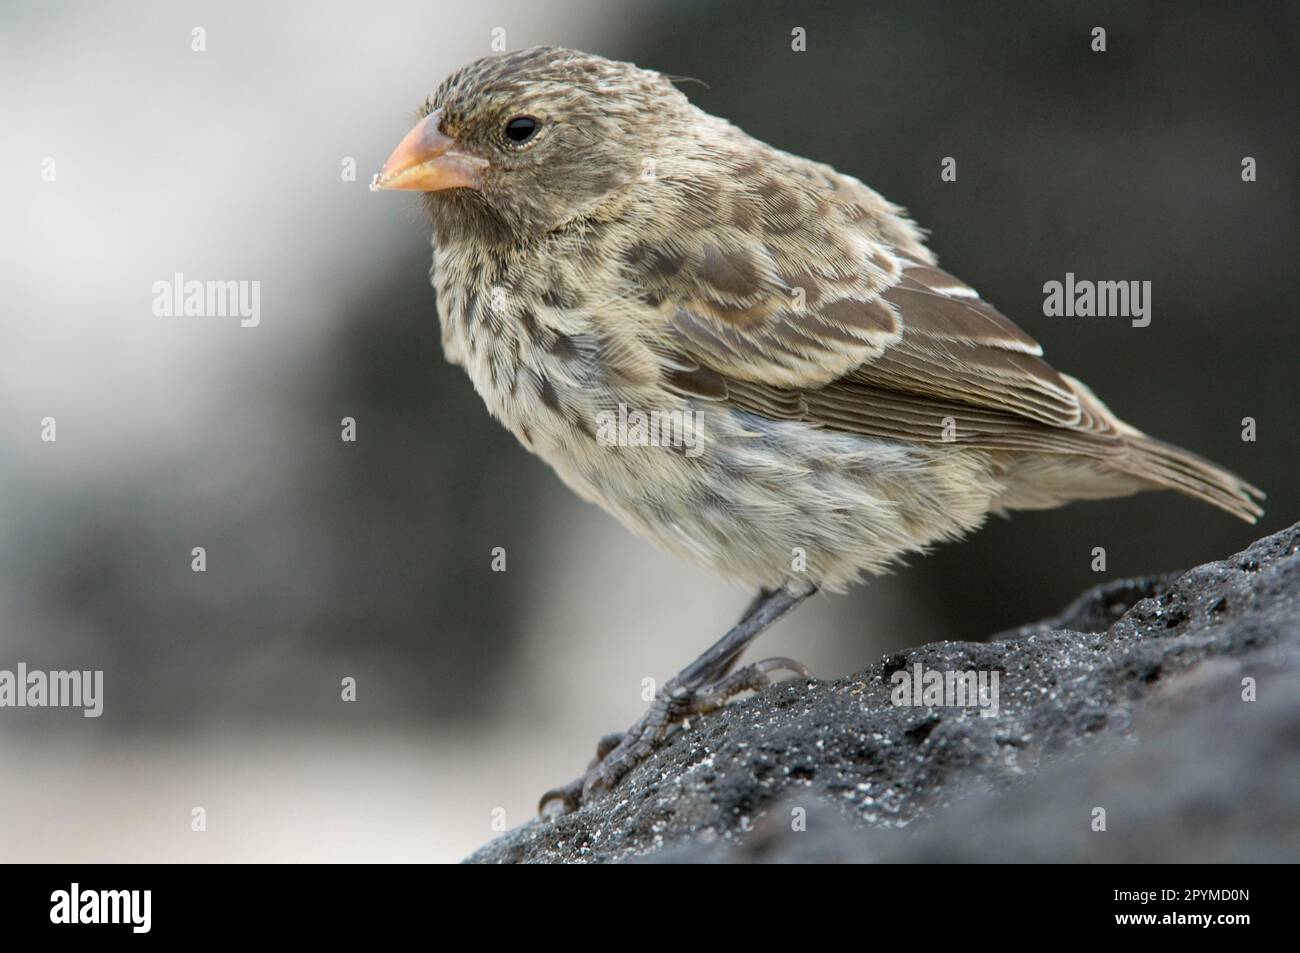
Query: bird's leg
point(703, 686)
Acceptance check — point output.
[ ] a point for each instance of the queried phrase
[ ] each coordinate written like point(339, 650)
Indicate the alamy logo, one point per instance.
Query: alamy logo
point(179, 298)
point(926, 688)
point(681, 429)
point(58, 689)
point(1103, 299)
point(102, 906)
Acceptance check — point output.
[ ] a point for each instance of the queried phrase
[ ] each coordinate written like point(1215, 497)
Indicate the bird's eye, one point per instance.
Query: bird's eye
point(520, 129)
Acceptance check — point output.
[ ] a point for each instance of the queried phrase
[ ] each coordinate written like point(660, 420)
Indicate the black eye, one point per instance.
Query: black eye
point(520, 129)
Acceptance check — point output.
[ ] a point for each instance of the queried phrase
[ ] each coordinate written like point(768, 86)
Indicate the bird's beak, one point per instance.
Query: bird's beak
point(427, 160)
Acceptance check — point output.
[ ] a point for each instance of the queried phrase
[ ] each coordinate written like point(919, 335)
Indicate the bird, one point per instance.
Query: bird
point(745, 356)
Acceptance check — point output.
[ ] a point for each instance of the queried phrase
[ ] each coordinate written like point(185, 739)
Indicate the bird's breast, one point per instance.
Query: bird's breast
point(544, 366)
point(747, 496)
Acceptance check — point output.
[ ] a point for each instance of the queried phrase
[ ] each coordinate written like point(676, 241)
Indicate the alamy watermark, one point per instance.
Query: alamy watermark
point(1082, 298)
point(935, 688)
point(76, 905)
point(681, 429)
point(57, 689)
point(179, 298)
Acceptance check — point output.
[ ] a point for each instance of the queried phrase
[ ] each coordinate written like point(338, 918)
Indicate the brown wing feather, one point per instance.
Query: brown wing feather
point(892, 348)
point(824, 307)
point(778, 325)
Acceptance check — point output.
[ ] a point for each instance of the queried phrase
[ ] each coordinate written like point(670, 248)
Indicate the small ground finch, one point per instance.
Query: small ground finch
point(745, 356)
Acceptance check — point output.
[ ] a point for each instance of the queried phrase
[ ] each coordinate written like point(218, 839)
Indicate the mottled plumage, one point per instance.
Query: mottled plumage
point(858, 402)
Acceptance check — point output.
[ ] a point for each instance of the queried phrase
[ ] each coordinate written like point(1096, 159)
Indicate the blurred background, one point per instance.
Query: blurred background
point(476, 690)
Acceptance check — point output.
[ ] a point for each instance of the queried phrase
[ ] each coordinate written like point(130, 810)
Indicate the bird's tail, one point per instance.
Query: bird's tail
point(1165, 465)
point(1161, 464)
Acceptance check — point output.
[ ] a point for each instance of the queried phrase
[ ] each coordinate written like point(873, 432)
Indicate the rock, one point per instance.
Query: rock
point(1130, 702)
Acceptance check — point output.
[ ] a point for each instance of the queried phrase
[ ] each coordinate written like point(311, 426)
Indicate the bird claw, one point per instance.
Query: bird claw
point(617, 754)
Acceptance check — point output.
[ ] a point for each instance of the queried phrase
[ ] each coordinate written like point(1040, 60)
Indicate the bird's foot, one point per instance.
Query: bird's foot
point(677, 701)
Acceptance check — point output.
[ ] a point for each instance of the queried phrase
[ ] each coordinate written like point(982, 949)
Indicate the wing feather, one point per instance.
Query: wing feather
point(827, 323)
point(802, 295)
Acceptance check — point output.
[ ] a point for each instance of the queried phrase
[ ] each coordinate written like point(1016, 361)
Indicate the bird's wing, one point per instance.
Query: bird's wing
point(807, 313)
point(802, 295)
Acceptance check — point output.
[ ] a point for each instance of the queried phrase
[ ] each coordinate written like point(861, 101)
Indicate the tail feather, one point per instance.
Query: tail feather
point(1165, 465)
point(1161, 464)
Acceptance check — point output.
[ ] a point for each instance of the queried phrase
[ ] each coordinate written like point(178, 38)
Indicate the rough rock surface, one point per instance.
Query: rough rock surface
point(1130, 701)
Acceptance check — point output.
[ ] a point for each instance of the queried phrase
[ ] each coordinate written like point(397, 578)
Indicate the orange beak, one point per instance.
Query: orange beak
point(427, 161)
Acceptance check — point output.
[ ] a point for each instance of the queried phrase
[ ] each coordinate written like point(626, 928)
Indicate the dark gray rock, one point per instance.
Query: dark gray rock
point(1130, 701)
